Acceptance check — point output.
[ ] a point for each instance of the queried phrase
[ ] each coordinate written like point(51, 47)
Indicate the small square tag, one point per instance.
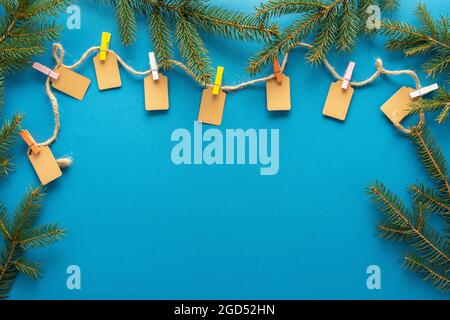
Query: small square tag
point(338, 101)
point(156, 93)
point(71, 83)
point(278, 94)
point(397, 107)
point(211, 107)
point(45, 165)
point(107, 72)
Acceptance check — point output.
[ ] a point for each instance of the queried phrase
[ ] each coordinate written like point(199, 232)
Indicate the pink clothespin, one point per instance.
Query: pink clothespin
point(348, 75)
point(45, 70)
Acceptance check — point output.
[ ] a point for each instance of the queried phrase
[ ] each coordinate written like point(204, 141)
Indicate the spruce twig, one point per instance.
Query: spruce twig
point(430, 254)
point(332, 24)
point(439, 102)
point(431, 37)
point(20, 234)
point(193, 16)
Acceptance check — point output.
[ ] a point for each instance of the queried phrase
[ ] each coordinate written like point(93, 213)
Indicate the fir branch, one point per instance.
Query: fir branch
point(439, 278)
point(193, 50)
point(126, 21)
point(41, 236)
point(30, 269)
point(21, 234)
point(431, 254)
point(332, 24)
point(432, 200)
point(6, 165)
point(440, 101)
point(431, 37)
point(432, 158)
point(194, 16)
point(426, 241)
point(160, 37)
point(9, 131)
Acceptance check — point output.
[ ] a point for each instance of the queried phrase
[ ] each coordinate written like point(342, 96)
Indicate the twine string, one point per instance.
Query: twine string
point(58, 54)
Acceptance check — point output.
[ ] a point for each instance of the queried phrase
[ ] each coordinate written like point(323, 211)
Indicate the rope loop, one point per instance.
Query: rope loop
point(58, 54)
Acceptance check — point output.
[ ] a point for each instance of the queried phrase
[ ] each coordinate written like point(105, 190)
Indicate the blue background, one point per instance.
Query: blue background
point(141, 227)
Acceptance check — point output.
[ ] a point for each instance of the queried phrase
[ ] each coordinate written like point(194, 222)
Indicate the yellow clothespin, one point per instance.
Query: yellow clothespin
point(28, 138)
point(218, 80)
point(106, 38)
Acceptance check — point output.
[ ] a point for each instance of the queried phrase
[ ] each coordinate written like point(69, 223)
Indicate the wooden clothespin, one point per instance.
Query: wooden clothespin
point(45, 70)
point(106, 38)
point(423, 91)
point(277, 70)
point(218, 81)
point(28, 138)
point(153, 65)
point(348, 75)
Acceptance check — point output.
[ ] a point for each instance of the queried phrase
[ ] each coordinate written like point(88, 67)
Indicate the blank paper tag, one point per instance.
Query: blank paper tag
point(397, 107)
point(45, 165)
point(71, 83)
point(156, 93)
point(338, 101)
point(278, 94)
point(211, 107)
point(107, 72)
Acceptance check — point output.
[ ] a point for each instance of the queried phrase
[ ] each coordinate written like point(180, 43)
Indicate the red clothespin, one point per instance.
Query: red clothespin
point(28, 138)
point(348, 75)
point(277, 70)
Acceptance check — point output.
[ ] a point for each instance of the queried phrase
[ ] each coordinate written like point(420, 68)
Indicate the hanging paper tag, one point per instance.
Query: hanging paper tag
point(107, 72)
point(278, 94)
point(397, 107)
point(211, 106)
point(156, 93)
point(338, 101)
point(71, 83)
point(45, 165)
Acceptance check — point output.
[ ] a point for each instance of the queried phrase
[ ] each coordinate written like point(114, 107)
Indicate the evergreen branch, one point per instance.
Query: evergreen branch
point(19, 235)
point(193, 50)
point(161, 38)
point(188, 16)
point(427, 241)
point(290, 36)
point(126, 21)
point(332, 24)
point(28, 268)
point(9, 132)
point(431, 37)
point(25, 215)
point(441, 100)
point(8, 273)
point(438, 278)
point(42, 9)
point(40, 236)
point(433, 201)
point(6, 165)
point(432, 158)
point(277, 8)
point(4, 222)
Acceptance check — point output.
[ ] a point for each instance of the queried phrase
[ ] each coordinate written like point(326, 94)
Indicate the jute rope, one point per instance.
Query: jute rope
point(58, 54)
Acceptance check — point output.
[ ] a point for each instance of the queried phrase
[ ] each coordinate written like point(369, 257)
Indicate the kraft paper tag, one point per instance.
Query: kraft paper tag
point(71, 83)
point(338, 101)
point(397, 107)
point(278, 94)
point(211, 107)
point(45, 165)
point(107, 72)
point(156, 93)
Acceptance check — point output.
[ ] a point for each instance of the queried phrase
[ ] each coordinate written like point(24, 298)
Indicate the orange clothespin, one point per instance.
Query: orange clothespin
point(28, 138)
point(277, 70)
